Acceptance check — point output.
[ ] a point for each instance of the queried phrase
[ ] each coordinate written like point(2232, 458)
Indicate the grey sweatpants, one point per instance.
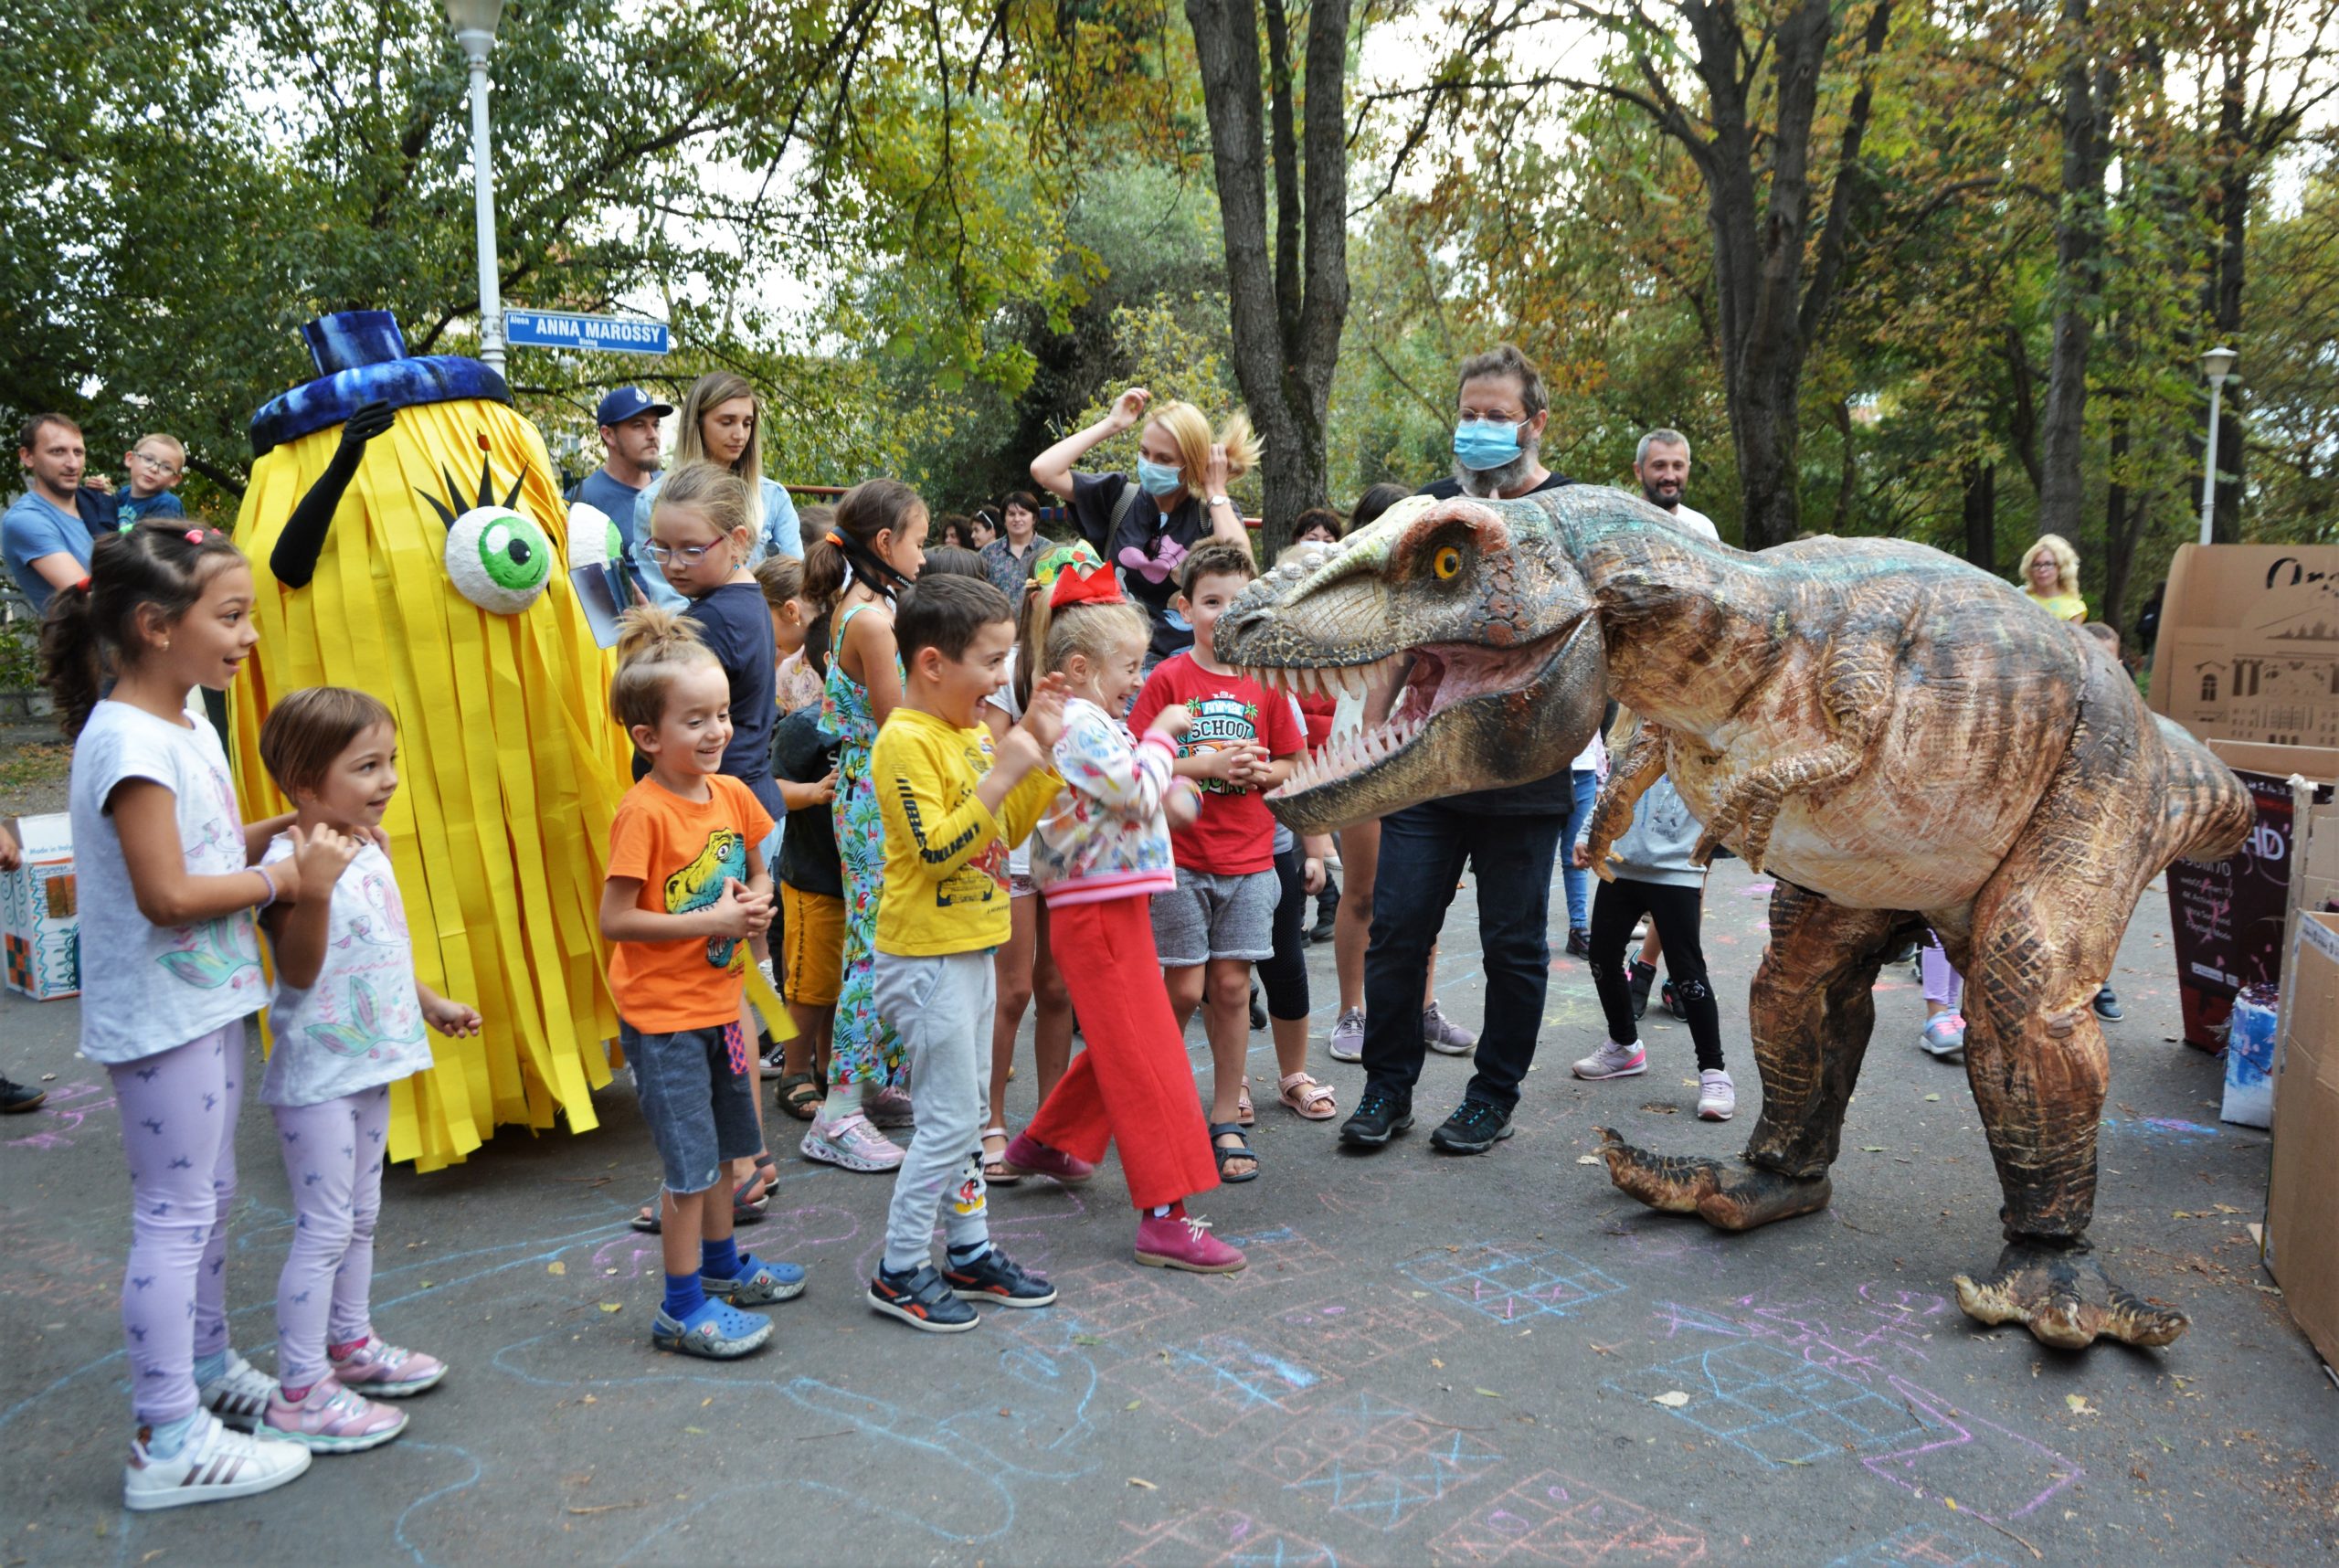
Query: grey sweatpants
point(941, 1007)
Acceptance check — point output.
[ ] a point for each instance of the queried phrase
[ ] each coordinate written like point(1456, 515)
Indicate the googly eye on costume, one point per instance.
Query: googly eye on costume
point(496, 558)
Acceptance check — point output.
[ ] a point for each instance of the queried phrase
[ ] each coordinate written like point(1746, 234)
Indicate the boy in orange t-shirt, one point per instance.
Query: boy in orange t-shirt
point(686, 889)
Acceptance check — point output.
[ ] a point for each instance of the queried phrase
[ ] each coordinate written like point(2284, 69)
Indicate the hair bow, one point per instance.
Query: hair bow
point(1051, 563)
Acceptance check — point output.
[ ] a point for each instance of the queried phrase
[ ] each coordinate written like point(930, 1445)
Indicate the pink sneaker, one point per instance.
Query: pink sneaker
point(1026, 1156)
point(387, 1372)
point(330, 1419)
point(1168, 1242)
point(852, 1143)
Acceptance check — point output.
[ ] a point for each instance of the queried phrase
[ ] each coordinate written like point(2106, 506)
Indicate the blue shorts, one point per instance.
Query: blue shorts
point(698, 1094)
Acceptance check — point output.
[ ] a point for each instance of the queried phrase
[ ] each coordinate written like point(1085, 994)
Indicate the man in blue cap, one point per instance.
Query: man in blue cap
point(629, 419)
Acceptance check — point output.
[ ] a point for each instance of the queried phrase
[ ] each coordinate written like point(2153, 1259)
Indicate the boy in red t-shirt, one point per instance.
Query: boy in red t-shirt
point(1242, 743)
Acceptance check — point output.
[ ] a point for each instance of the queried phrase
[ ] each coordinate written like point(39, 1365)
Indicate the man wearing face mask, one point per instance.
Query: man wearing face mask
point(1508, 837)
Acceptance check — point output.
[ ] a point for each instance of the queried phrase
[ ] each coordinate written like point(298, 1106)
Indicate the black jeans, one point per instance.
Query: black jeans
point(1676, 912)
point(1422, 851)
point(1284, 977)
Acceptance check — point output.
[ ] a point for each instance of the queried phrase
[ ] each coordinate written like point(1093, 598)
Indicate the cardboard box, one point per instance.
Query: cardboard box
point(2250, 644)
point(40, 913)
point(2230, 919)
point(2302, 1247)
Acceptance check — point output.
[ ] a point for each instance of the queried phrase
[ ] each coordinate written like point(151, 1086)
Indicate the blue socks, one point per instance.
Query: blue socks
point(685, 1296)
point(211, 1366)
point(164, 1439)
point(720, 1259)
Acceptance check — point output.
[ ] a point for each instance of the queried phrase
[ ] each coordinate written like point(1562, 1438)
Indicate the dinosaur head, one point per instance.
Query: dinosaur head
point(1471, 612)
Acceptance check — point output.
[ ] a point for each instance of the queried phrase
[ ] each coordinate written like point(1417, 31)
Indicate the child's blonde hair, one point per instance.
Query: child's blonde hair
point(1191, 429)
point(654, 645)
point(168, 440)
point(1090, 630)
point(714, 492)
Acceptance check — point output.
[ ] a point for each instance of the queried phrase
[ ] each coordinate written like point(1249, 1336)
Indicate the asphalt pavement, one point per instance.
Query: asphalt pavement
point(1431, 1359)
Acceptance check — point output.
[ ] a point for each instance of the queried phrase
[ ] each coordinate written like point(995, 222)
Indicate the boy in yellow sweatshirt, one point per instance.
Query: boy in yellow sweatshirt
point(951, 810)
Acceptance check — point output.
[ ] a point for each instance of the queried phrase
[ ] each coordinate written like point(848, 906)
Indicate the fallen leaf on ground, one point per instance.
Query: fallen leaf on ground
point(1673, 1400)
point(1490, 1393)
point(556, 1266)
point(1933, 1097)
point(2080, 1406)
point(1132, 1404)
point(612, 1306)
point(1141, 1481)
point(1872, 1148)
point(1587, 1160)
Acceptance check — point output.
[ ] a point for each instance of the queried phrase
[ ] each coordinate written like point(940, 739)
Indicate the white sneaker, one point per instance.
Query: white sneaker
point(1348, 1036)
point(1612, 1061)
point(239, 1395)
point(1717, 1095)
point(215, 1466)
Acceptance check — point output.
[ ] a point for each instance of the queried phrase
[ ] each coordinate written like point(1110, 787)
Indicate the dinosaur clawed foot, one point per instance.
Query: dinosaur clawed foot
point(1749, 812)
point(1732, 1197)
point(2063, 1297)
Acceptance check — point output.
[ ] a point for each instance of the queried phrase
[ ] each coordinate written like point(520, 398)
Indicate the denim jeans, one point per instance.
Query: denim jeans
point(1579, 881)
point(1422, 851)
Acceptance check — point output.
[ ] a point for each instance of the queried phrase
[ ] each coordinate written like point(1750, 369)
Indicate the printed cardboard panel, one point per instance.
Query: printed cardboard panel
point(2302, 1203)
point(41, 918)
point(2250, 644)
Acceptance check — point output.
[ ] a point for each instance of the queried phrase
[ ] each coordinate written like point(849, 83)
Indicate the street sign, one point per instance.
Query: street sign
point(565, 329)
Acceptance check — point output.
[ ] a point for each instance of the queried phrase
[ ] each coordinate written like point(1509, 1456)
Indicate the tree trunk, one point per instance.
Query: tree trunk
point(2231, 212)
point(2087, 94)
point(2118, 530)
point(1286, 309)
point(1981, 487)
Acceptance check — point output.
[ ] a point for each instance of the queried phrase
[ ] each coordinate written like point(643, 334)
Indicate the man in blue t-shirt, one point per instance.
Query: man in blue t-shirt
point(43, 538)
point(629, 419)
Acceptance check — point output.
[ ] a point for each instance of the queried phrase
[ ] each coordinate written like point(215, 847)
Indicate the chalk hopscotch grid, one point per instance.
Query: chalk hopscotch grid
point(1921, 1546)
point(1554, 1517)
point(1507, 1284)
point(1375, 1462)
point(1222, 1538)
point(1780, 1408)
point(1221, 1381)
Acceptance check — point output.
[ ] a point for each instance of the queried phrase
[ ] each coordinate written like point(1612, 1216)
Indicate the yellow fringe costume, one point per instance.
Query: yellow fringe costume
point(510, 764)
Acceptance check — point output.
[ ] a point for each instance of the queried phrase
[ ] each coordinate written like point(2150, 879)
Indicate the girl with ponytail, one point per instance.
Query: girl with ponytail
point(852, 571)
point(169, 879)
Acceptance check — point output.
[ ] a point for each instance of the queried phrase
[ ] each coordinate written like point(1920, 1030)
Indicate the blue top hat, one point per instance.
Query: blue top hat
point(361, 358)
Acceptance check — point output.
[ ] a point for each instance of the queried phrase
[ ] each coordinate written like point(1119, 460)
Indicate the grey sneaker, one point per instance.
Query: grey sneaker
point(1943, 1036)
point(1717, 1095)
point(1348, 1036)
point(1442, 1034)
point(1612, 1061)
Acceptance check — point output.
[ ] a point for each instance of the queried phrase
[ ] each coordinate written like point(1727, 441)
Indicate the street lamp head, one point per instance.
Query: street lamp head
point(2217, 364)
point(475, 16)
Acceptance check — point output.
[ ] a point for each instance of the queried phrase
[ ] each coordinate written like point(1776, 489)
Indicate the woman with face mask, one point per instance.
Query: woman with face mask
point(1145, 523)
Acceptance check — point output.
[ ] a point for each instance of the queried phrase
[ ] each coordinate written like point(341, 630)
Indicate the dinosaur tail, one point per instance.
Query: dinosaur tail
point(2205, 811)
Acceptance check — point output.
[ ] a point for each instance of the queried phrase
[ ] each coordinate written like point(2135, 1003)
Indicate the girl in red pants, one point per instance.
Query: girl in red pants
point(1098, 857)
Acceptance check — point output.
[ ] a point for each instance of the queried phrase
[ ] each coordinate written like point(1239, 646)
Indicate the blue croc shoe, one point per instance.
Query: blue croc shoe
point(760, 1280)
point(718, 1332)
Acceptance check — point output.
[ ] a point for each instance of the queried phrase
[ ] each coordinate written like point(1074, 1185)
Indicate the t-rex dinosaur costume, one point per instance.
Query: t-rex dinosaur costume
point(1893, 734)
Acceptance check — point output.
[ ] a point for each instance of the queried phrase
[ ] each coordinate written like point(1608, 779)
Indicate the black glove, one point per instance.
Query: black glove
point(295, 559)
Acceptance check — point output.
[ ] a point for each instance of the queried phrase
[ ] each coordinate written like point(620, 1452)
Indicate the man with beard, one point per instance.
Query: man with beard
point(1662, 465)
point(1508, 836)
point(629, 419)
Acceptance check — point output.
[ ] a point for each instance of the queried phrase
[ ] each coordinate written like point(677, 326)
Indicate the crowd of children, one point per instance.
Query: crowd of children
point(901, 793)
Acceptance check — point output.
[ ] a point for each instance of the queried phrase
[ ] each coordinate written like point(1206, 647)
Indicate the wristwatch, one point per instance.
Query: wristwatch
point(1220, 501)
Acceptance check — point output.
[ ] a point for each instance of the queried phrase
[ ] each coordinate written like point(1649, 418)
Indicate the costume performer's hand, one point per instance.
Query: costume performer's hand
point(295, 559)
point(370, 420)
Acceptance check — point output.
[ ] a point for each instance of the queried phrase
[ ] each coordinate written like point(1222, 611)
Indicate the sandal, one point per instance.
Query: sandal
point(1244, 1116)
point(996, 1171)
point(747, 1210)
point(800, 1095)
point(1239, 1150)
point(1308, 1098)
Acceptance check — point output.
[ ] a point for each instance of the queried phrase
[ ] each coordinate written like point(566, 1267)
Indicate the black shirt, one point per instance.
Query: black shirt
point(1149, 535)
point(802, 752)
point(1554, 795)
point(737, 627)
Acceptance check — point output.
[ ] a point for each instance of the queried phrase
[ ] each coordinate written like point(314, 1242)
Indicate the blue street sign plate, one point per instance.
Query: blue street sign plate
point(564, 329)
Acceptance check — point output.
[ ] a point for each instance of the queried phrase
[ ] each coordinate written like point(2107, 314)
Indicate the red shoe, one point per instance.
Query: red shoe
point(1184, 1242)
point(1026, 1156)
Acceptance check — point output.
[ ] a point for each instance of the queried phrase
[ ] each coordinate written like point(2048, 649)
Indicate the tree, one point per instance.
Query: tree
point(1286, 305)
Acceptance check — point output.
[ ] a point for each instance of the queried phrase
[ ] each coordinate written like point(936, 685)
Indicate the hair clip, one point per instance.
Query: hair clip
point(126, 527)
point(195, 535)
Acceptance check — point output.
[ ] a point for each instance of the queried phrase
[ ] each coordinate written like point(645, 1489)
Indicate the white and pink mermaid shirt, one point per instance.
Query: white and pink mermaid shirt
point(1106, 836)
point(361, 1024)
point(147, 988)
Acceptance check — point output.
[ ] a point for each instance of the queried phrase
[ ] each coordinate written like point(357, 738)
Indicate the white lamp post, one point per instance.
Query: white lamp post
point(475, 23)
point(2217, 364)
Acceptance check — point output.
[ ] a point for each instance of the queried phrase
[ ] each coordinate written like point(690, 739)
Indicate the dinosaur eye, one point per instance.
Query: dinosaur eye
point(498, 559)
point(1446, 563)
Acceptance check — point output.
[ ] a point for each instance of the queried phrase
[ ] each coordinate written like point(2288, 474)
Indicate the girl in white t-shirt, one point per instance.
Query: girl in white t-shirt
point(168, 885)
point(348, 1020)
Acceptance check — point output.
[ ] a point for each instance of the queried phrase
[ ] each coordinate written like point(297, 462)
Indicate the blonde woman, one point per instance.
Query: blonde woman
point(2050, 576)
point(722, 422)
point(1148, 522)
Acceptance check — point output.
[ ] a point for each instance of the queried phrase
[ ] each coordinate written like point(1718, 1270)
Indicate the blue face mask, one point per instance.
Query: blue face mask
point(1482, 444)
point(1159, 477)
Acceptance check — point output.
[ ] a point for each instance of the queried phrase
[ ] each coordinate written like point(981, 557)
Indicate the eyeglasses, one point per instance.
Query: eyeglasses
point(689, 555)
point(159, 465)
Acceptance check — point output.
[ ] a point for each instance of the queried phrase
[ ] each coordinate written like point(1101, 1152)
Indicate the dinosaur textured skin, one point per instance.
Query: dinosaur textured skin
point(1897, 739)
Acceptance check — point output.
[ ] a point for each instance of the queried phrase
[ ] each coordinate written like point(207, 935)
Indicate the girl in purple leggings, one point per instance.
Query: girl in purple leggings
point(168, 885)
point(348, 1020)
